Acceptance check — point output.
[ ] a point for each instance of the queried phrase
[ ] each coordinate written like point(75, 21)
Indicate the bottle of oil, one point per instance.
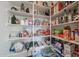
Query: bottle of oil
point(65, 16)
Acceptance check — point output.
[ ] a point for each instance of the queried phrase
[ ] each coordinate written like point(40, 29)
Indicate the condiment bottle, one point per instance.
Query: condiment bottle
point(65, 16)
point(69, 15)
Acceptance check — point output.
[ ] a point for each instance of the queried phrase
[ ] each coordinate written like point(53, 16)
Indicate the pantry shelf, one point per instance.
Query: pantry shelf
point(20, 13)
point(19, 25)
point(25, 38)
point(41, 25)
point(33, 27)
point(70, 41)
point(40, 47)
point(18, 3)
point(41, 6)
point(42, 36)
point(41, 16)
point(20, 38)
point(19, 53)
point(67, 23)
point(66, 8)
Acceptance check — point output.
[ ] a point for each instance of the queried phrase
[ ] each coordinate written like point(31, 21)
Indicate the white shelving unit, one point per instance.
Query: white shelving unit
point(43, 36)
point(34, 26)
point(20, 13)
point(20, 38)
point(18, 25)
point(71, 6)
point(33, 16)
point(41, 16)
point(66, 8)
point(70, 41)
point(67, 23)
point(41, 6)
point(73, 24)
point(26, 3)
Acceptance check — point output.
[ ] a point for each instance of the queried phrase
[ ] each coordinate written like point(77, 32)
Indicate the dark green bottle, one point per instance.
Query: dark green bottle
point(65, 16)
point(13, 18)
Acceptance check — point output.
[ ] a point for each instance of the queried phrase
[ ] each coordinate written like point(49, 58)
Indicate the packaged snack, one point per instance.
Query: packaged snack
point(17, 46)
point(67, 32)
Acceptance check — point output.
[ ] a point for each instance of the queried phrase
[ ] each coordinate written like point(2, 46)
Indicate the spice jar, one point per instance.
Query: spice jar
point(45, 22)
point(65, 16)
point(70, 15)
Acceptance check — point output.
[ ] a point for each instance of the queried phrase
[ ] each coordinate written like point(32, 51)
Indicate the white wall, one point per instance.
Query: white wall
point(4, 41)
